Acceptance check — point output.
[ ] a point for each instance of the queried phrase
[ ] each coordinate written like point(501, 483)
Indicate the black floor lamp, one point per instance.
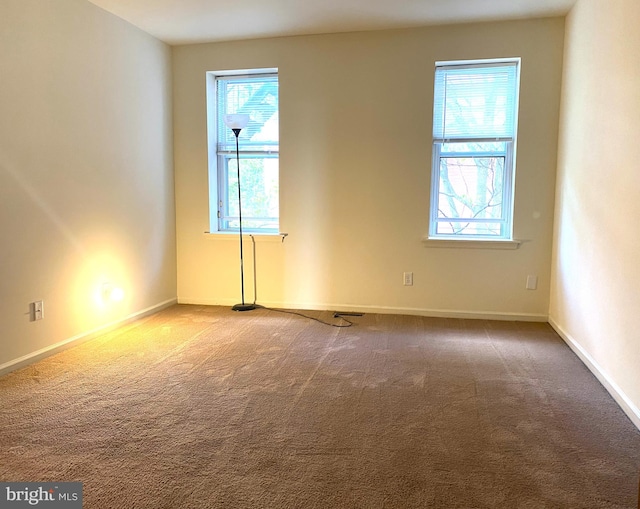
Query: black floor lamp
point(237, 122)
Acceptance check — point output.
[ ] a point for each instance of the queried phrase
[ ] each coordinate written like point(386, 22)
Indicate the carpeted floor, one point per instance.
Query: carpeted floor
point(201, 407)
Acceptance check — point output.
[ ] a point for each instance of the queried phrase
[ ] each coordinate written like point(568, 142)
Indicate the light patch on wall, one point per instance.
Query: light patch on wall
point(111, 293)
point(101, 289)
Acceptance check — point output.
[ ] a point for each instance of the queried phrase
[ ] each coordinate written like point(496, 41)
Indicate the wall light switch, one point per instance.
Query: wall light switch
point(532, 282)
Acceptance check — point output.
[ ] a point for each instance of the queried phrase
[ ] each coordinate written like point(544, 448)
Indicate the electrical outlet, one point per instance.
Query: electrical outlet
point(532, 282)
point(408, 279)
point(38, 310)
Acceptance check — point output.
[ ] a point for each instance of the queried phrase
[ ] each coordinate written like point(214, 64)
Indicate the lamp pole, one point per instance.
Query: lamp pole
point(236, 123)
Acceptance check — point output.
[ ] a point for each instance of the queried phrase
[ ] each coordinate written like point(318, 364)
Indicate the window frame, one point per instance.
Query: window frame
point(217, 159)
point(509, 153)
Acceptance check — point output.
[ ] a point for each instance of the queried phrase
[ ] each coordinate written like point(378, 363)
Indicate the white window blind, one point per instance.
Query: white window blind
point(256, 96)
point(474, 102)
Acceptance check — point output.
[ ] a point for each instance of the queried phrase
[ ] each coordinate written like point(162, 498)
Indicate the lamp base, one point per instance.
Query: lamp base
point(244, 307)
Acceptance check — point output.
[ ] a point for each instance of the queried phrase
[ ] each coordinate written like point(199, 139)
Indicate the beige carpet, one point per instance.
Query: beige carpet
point(201, 407)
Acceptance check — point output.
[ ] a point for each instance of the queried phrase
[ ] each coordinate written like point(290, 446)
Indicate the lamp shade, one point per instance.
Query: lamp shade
point(236, 120)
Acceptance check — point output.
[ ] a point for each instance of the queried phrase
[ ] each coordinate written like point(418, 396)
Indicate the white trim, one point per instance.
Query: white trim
point(241, 73)
point(625, 403)
point(32, 357)
point(216, 157)
point(440, 123)
point(259, 237)
point(442, 313)
point(471, 243)
point(386, 310)
point(483, 62)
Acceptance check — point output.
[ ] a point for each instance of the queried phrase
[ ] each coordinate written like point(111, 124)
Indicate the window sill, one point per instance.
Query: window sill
point(472, 243)
point(258, 237)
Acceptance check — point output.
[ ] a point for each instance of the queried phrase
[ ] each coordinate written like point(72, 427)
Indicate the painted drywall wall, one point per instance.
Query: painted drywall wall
point(594, 293)
point(86, 172)
point(355, 162)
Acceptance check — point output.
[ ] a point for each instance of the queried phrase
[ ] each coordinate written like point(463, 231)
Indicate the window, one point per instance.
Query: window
point(474, 139)
point(254, 93)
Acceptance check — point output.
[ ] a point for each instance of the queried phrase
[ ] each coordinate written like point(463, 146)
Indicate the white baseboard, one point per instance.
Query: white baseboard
point(627, 406)
point(445, 313)
point(32, 357)
point(385, 310)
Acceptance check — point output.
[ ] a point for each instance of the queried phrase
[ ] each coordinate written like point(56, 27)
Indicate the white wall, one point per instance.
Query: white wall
point(355, 130)
point(86, 177)
point(595, 296)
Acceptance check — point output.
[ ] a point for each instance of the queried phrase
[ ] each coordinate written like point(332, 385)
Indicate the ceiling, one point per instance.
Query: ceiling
point(193, 21)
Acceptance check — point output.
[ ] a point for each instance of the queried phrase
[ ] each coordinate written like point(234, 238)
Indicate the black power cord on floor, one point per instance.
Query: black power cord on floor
point(337, 314)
